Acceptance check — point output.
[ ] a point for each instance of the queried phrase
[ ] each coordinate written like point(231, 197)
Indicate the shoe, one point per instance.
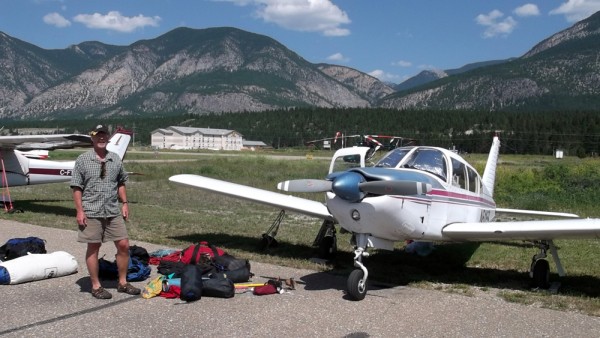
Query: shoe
point(129, 289)
point(101, 293)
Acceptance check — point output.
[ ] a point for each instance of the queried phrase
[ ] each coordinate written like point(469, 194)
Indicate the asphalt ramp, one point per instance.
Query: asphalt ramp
point(64, 307)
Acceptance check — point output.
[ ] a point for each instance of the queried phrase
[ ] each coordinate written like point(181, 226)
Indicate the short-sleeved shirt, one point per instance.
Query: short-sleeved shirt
point(99, 195)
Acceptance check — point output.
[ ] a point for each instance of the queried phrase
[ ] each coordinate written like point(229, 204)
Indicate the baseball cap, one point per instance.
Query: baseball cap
point(99, 129)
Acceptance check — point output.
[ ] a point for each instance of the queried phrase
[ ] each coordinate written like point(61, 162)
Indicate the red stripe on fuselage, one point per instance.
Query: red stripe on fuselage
point(51, 172)
point(464, 198)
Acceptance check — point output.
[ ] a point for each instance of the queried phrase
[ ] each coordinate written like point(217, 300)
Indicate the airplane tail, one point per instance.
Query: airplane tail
point(489, 174)
point(119, 142)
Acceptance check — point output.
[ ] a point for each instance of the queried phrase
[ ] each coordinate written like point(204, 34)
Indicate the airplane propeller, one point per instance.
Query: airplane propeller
point(352, 186)
point(305, 185)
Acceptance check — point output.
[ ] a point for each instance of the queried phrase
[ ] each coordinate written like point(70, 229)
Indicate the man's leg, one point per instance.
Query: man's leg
point(122, 265)
point(122, 259)
point(91, 260)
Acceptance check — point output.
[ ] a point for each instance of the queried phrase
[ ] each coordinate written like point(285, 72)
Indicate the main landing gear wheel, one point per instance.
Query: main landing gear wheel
point(541, 273)
point(327, 247)
point(357, 285)
point(326, 240)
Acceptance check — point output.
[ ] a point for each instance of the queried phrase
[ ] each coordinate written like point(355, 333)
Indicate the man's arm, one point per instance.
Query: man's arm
point(122, 192)
point(77, 193)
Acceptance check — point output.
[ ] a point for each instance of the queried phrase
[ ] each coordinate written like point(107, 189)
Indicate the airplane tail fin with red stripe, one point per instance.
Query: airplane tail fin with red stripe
point(119, 142)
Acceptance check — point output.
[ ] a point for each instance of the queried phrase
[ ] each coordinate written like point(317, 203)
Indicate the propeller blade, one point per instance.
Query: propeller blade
point(305, 185)
point(395, 187)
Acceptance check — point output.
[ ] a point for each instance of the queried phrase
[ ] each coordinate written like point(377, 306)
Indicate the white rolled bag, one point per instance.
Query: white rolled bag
point(32, 267)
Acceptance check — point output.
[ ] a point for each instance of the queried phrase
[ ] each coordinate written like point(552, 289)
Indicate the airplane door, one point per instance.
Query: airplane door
point(347, 158)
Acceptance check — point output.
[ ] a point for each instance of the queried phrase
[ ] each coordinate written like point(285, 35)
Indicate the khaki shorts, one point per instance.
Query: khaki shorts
point(102, 230)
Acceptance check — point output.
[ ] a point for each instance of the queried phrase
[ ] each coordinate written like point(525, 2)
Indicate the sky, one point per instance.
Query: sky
point(392, 40)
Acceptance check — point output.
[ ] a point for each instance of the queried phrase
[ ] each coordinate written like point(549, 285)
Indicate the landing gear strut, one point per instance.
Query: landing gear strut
point(540, 268)
point(357, 281)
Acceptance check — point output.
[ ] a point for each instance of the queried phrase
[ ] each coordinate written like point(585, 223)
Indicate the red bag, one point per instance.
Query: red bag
point(200, 253)
point(270, 287)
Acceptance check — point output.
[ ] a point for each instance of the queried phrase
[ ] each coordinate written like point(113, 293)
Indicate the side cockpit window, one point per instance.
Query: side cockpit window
point(430, 160)
point(459, 174)
point(474, 181)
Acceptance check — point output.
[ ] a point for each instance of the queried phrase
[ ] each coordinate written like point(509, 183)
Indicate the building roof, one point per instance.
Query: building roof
point(191, 130)
point(247, 143)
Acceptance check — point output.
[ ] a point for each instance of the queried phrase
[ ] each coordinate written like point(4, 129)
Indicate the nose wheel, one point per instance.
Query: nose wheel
point(357, 285)
point(357, 281)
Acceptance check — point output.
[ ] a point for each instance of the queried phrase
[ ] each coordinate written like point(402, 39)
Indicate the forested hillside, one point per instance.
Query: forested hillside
point(521, 133)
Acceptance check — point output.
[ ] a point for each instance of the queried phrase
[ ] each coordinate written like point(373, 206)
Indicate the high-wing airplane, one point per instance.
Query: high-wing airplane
point(415, 193)
point(19, 169)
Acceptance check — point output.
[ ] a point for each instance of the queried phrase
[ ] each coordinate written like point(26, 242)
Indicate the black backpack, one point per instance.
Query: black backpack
point(17, 247)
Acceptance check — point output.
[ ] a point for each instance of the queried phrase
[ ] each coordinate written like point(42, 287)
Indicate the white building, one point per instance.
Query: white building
point(174, 137)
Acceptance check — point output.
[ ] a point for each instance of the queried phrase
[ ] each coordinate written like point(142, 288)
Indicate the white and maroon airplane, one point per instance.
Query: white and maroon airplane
point(413, 193)
point(18, 169)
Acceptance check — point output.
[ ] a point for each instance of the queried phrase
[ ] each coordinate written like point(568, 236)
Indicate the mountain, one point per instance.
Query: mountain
point(560, 73)
point(226, 69)
point(185, 70)
point(430, 75)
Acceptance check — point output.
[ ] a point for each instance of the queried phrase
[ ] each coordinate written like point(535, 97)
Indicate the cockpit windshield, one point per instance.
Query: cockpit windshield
point(392, 158)
point(430, 160)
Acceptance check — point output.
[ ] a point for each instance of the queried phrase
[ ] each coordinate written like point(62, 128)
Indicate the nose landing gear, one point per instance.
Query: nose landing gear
point(357, 281)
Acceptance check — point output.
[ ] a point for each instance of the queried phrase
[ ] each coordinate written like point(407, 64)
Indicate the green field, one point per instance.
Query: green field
point(176, 216)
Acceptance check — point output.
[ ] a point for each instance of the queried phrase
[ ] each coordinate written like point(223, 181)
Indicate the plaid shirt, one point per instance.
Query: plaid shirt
point(100, 195)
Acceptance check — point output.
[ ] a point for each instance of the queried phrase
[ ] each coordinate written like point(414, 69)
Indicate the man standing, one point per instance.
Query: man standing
point(98, 183)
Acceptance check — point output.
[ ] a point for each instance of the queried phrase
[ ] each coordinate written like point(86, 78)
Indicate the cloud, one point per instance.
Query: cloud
point(301, 15)
point(56, 19)
point(338, 57)
point(576, 10)
point(113, 20)
point(527, 10)
point(383, 76)
point(402, 63)
point(496, 26)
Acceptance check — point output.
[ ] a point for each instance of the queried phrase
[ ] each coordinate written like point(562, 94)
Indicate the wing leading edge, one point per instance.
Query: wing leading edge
point(270, 198)
point(524, 230)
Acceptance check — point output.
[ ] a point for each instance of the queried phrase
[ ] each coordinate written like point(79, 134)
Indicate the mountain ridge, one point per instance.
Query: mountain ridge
point(226, 69)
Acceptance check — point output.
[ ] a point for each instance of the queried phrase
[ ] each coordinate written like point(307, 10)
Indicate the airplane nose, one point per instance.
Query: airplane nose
point(346, 187)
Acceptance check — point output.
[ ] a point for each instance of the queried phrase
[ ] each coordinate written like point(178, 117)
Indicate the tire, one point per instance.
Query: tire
point(327, 247)
point(357, 289)
point(267, 242)
point(541, 274)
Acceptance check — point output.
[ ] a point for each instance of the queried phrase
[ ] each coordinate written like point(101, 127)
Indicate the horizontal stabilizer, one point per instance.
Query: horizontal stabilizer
point(533, 213)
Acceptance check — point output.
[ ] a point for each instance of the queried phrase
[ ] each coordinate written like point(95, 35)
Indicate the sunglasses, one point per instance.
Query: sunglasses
point(102, 169)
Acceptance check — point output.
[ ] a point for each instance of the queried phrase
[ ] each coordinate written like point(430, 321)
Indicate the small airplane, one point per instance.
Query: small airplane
point(374, 142)
point(19, 169)
point(416, 193)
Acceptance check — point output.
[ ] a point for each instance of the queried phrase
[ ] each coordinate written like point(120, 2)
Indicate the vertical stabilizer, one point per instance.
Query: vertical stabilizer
point(489, 174)
point(119, 142)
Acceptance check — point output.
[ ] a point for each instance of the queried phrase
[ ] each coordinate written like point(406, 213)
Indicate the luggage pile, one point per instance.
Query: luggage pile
point(199, 270)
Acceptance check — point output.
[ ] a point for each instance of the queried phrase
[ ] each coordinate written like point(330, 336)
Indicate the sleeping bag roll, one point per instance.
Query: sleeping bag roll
point(34, 267)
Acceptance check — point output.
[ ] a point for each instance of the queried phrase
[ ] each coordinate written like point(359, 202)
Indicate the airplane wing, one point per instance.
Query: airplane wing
point(524, 230)
point(274, 199)
point(45, 142)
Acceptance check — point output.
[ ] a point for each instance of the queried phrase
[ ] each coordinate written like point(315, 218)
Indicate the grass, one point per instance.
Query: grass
point(177, 216)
